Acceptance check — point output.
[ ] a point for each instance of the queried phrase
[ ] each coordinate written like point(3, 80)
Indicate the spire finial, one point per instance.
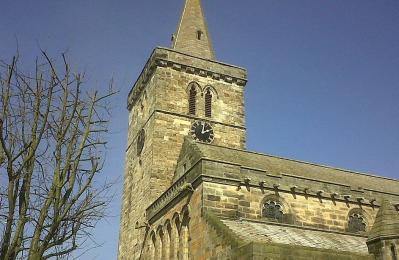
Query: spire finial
point(192, 36)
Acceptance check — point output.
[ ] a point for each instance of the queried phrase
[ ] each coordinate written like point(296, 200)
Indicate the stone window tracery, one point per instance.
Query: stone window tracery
point(356, 223)
point(273, 210)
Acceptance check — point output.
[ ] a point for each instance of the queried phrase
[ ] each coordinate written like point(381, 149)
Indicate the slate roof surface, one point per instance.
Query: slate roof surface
point(386, 222)
point(278, 165)
point(269, 233)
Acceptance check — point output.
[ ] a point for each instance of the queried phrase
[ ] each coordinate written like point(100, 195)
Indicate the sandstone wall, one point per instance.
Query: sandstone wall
point(158, 104)
point(300, 210)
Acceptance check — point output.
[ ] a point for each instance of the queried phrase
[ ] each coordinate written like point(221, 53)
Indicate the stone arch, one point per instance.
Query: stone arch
point(196, 85)
point(394, 251)
point(185, 233)
point(168, 234)
point(159, 244)
point(152, 245)
point(175, 236)
point(358, 220)
point(212, 89)
point(275, 208)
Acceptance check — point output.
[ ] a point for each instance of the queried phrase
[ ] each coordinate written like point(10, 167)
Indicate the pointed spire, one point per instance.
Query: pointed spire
point(386, 222)
point(192, 36)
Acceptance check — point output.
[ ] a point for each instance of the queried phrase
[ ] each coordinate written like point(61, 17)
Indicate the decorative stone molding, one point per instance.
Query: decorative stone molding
point(189, 181)
point(160, 57)
point(174, 191)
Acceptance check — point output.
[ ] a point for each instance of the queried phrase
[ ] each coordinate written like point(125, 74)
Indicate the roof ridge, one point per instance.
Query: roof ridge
point(300, 161)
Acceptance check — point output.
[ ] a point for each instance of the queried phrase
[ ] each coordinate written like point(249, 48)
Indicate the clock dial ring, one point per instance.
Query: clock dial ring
point(202, 131)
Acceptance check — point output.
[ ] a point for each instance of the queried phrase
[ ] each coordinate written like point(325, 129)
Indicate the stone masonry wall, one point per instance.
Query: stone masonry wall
point(385, 249)
point(160, 107)
point(304, 211)
point(172, 121)
point(173, 90)
point(203, 240)
point(137, 178)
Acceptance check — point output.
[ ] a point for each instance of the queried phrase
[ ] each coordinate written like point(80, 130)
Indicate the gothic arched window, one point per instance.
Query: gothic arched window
point(192, 100)
point(356, 223)
point(273, 211)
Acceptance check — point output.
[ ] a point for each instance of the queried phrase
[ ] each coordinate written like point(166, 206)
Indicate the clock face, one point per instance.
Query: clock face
point(202, 131)
point(140, 141)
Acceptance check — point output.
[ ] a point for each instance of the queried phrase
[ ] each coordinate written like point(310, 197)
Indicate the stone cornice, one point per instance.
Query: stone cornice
point(382, 238)
point(167, 58)
point(272, 183)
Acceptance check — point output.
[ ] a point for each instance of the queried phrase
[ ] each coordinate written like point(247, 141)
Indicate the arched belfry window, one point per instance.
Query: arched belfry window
point(192, 100)
point(356, 223)
point(208, 103)
point(273, 210)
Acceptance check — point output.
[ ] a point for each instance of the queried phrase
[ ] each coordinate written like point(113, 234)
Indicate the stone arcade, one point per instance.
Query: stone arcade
point(192, 190)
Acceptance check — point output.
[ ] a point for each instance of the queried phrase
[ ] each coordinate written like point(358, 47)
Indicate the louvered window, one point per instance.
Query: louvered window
point(208, 103)
point(192, 100)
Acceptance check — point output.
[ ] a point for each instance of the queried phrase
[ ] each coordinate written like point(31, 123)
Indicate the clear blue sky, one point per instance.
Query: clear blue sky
point(323, 75)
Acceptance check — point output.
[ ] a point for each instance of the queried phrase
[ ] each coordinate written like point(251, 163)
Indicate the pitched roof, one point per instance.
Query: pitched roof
point(267, 233)
point(278, 165)
point(386, 223)
point(192, 36)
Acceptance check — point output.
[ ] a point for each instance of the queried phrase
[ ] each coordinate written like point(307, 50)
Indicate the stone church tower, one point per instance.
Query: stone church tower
point(192, 190)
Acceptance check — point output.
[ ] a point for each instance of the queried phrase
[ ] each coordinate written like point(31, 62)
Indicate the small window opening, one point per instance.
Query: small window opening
point(273, 211)
point(199, 34)
point(208, 103)
point(192, 101)
point(356, 223)
point(394, 255)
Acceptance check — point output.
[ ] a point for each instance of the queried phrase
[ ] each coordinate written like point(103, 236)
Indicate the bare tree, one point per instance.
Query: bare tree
point(52, 145)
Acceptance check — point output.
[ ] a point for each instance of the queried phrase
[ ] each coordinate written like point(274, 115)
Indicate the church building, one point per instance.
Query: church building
point(193, 191)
